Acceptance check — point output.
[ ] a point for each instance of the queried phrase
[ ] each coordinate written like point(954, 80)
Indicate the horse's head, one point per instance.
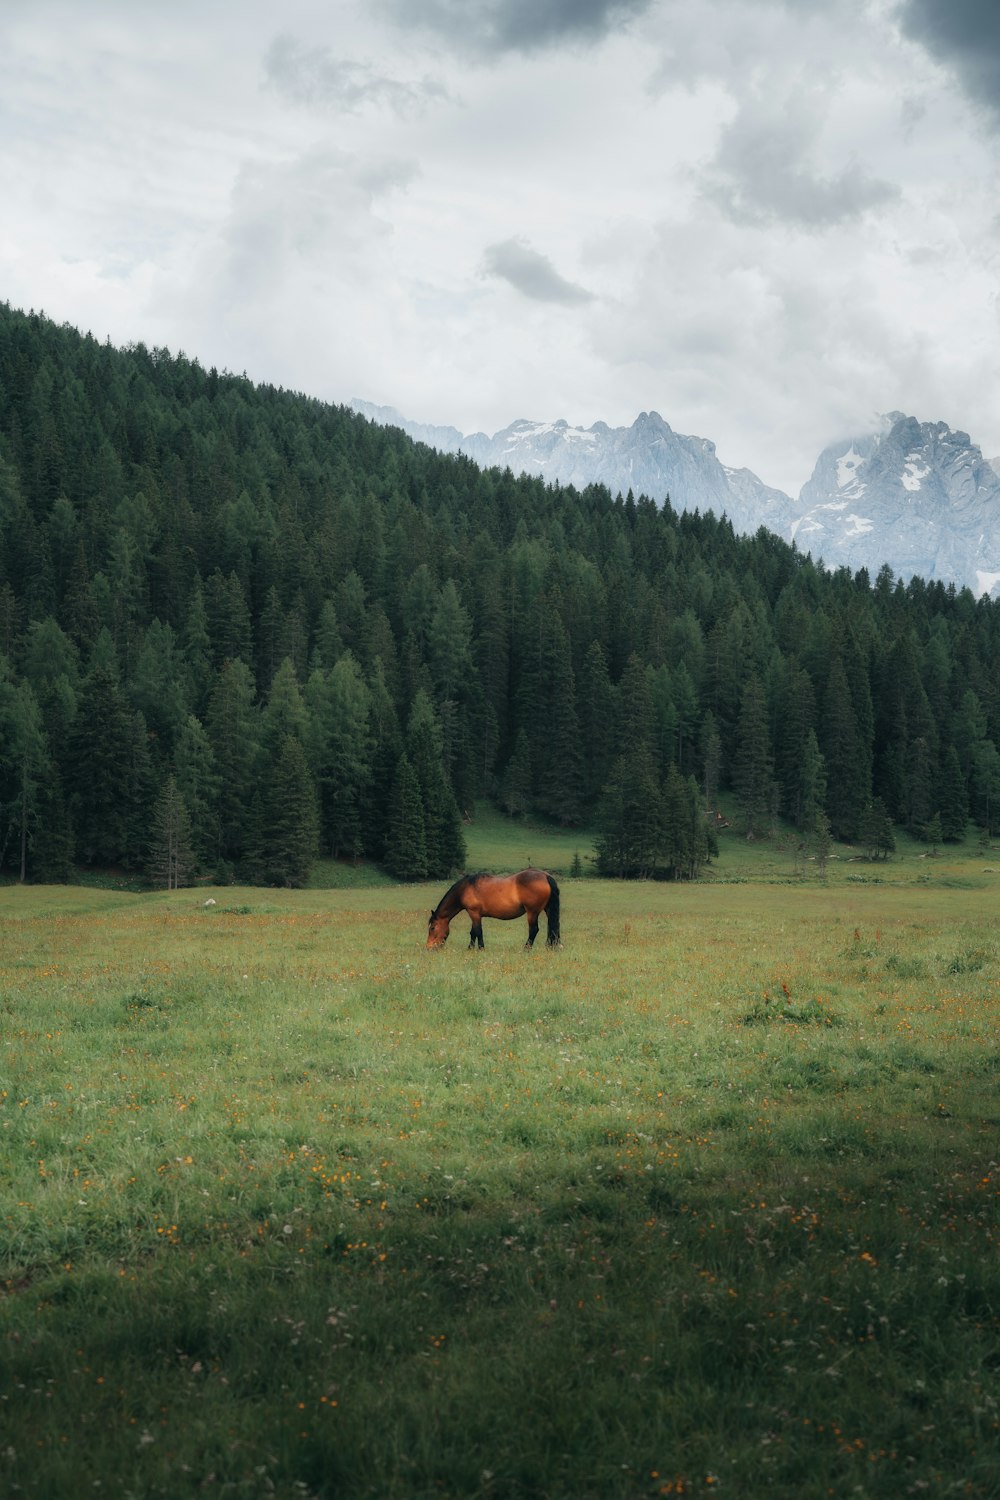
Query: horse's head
point(437, 930)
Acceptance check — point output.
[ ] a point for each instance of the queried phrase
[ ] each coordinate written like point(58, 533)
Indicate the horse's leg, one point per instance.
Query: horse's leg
point(476, 935)
point(532, 928)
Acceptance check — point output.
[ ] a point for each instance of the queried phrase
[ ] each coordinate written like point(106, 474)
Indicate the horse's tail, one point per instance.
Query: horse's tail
point(552, 911)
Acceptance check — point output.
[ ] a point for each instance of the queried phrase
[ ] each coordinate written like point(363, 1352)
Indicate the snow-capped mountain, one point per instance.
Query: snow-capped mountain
point(648, 458)
point(916, 495)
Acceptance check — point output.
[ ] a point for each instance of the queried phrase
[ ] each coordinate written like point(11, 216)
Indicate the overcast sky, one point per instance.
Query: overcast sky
point(768, 220)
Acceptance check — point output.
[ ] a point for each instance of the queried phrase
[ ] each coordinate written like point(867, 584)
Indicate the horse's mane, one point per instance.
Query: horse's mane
point(459, 885)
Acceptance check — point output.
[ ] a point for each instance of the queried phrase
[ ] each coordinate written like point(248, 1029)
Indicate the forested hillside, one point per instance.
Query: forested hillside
point(239, 627)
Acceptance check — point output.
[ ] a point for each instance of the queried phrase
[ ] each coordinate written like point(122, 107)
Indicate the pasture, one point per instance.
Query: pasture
point(704, 1202)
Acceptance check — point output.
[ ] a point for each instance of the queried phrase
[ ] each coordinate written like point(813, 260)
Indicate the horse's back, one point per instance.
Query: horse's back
point(508, 895)
point(534, 886)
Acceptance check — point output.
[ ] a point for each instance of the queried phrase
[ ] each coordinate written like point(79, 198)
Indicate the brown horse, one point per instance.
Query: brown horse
point(528, 893)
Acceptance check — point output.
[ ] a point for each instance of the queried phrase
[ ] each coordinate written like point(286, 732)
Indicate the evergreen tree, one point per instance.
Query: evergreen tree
point(198, 784)
point(685, 701)
point(285, 712)
point(139, 794)
point(289, 836)
point(952, 797)
point(794, 721)
point(630, 818)
point(822, 843)
point(196, 646)
point(101, 763)
point(329, 642)
point(158, 687)
point(78, 615)
point(810, 794)
point(442, 820)
point(31, 767)
point(753, 769)
point(636, 725)
point(711, 759)
point(920, 790)
point(171, 858)
point(560, 772)
point(449, 646)
point(515, 784)
point(387, 747)
point(233, 732)
point(228, 621)
point(10, 794)
point(847, 790)
point(598, 727)
point(406, 843)
point(685, 834)
point(340, 753)
point(51, 849)
point(350, 602)
point(986, 785)
point(876, 831)
point(727, 654)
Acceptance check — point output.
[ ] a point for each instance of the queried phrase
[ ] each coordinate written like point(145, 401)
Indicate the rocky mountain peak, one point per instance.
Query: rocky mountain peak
point(918, 496)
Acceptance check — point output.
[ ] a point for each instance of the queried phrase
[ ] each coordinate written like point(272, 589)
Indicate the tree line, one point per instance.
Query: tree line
point(240, 627)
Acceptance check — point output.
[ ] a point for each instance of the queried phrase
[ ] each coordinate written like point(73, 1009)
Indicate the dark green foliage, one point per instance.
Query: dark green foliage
point(405, 839)
point(194, 569)
point(233, 734)
point(288, 836)
point(516, 782)
point(198, 783)
point(686, 838)
point(630, 817)
point(341, 752)
point(171, 857)
point(953, 798)
point(100, 769)
point(841, 746)
point(445, 842)
point(560, 771)
point(876, 832)
point(753, 768)
point(598, 727)
point(387, 747)
point(647, 830)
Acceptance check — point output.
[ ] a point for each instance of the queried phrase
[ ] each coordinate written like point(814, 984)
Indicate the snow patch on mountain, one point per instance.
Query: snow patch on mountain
point(846, 465)
point(932, 505)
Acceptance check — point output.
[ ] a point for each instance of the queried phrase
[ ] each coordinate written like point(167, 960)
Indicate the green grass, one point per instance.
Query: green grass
point(496, 842)
point(704, 1202)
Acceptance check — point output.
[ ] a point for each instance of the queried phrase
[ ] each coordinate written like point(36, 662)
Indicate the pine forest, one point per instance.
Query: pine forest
point(241, 628)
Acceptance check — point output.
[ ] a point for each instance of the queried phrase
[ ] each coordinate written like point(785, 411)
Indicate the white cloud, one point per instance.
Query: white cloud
point(313, 76)
point(765, 220)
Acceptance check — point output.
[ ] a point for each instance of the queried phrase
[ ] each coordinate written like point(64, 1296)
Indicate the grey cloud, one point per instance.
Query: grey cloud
point(317, 211)
point(963, 35)
point(761, 174)
point(531, 273)
point(487, 26)
point(314, 76)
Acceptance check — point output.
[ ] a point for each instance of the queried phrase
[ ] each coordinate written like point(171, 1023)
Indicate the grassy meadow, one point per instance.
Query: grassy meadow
point(703, 1202)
